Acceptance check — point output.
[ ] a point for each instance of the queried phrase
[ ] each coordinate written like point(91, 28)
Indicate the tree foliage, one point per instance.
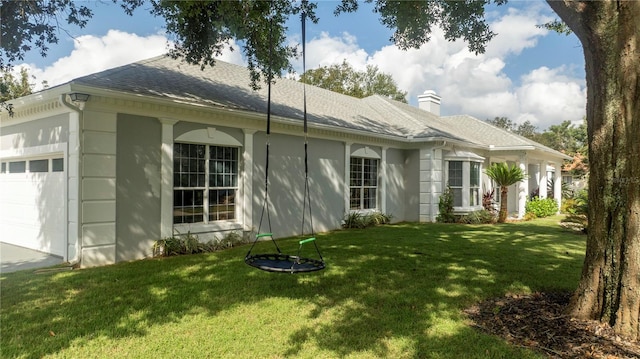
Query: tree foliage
point(346, 80)
point(14, 86)
point(525, 129)
point(564, 137)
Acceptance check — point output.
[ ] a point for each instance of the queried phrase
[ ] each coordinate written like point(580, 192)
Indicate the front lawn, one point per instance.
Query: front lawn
point(395, 291)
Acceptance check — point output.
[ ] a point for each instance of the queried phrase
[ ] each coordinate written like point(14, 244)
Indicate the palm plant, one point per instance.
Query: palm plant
point(504, 176)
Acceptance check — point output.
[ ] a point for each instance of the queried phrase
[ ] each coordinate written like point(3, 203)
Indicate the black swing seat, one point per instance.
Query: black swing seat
point(284, 263)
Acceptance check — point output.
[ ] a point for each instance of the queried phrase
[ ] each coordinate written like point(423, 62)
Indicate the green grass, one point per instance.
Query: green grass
point(395, 291)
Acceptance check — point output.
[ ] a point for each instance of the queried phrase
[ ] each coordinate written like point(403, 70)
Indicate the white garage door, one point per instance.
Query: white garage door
point(32, 204)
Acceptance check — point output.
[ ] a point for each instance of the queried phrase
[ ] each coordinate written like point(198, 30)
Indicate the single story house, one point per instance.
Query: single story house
point(97, 169)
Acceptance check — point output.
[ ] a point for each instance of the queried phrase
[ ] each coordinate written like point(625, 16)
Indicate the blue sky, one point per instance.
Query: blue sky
point(526, 73)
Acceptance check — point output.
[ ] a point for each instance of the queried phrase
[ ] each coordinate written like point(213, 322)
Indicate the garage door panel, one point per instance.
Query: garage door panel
point(33, 211)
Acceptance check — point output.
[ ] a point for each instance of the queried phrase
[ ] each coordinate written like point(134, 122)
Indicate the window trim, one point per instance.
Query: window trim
point(208, 225)
point(466, 158)
point(362, 187)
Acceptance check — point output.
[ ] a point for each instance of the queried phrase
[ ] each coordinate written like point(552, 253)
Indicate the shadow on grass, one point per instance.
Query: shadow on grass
point(387, 292)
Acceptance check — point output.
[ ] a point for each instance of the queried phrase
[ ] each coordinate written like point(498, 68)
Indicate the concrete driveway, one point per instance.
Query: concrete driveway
point(14, 258)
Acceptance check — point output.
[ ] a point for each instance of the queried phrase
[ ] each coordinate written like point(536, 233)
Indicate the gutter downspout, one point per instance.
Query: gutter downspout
point(73, 153)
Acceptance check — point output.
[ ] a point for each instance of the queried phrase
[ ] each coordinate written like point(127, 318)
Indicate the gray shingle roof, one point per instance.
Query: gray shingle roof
point(227, 85)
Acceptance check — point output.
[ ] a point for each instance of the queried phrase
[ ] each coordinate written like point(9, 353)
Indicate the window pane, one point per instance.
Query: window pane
point(369, 198)
point(189, 165)
point(223, 167)
point(474, 196)
point(222, 205)
point(3, 167)
point(355, 172)
point(188, 206)
point(57, 165)
point(39, 166)
point(355, 198)
point(17, 167)
point(475, 174)
point(457, 197)
point(455, 173)
point(370, 172)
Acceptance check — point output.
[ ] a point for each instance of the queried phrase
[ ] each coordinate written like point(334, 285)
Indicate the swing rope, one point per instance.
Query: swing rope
point(307, 193)
point(279, 262)
point(266, 204)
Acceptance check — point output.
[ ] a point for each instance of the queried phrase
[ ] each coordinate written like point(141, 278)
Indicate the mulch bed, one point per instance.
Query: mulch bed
point(537, 322)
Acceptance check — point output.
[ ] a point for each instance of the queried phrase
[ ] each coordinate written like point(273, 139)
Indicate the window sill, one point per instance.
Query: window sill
point(466, 210)
point(195, 228)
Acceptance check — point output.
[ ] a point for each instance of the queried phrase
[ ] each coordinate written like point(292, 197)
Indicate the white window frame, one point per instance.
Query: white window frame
point(363, 186)
point(206, 189)
point(466, 203)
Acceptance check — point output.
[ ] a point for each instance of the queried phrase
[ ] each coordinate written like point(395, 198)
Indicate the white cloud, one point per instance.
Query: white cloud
point(472, 84)
point(469, 84)
point(517, 31)
point(93, 54)
point(326, 51)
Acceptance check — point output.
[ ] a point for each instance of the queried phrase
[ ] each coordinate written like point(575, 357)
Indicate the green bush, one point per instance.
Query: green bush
point(576, 210)
point(359, 220)
point(445, 207)
point(541, 207)
point(478, 217)
point(190, 244)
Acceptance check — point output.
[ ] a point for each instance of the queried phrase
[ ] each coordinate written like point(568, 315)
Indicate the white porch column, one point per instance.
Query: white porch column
point(557, 184)
point(522, 187)
point(347, 167)
point(383, 181)
point(247, 180)
point(166, 194)
point(543, 180)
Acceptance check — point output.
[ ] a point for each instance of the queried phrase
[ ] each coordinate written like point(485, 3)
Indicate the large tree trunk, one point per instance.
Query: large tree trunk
point(609, 289)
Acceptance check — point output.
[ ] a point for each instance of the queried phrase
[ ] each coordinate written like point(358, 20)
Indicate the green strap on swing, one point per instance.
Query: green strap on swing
point(264, 235)
point(307, 240)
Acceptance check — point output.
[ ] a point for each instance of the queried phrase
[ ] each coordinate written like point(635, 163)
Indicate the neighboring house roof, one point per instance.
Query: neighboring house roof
point(226, 85)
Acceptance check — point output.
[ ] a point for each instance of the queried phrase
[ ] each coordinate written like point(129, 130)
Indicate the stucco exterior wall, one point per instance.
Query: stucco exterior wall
point(47, 131)
point(138, 186)
point(395, 186)
point(286, 184)
point(412, 186)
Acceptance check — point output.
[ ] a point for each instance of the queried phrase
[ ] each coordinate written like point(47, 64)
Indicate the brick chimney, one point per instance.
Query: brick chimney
point(429, 101)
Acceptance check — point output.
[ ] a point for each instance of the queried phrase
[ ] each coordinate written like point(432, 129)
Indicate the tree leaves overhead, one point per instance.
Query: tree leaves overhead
point(413, 21)
point(34, 25)
point(203, 28)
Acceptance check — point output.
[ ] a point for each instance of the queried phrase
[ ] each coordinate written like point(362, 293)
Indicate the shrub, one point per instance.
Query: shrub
point(482, 216)
point(353, 220)
point(359, 220)
point(487, 200)
point(190, 244)
point(445, 207)
point(541, 207)
point(576, 210)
